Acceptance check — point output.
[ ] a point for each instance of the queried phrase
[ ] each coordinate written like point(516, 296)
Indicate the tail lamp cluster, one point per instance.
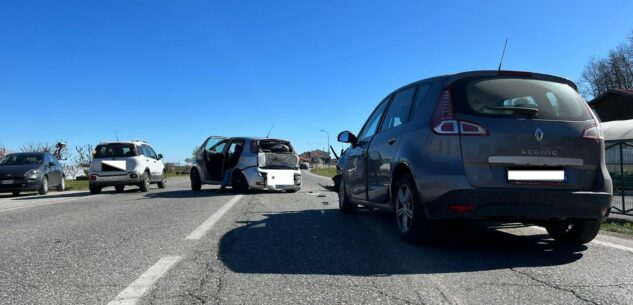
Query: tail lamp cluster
point(444, 121)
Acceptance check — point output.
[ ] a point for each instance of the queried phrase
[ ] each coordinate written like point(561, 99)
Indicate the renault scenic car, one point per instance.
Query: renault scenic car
point(246, 164)
point(126, 163)
point(486, 145)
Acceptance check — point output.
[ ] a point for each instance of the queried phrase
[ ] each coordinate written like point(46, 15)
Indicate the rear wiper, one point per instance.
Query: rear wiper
point(524, 110)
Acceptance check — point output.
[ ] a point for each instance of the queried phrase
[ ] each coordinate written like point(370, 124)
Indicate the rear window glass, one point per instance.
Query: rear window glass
point(497, 97)
point(114, 150)
point(277, 147)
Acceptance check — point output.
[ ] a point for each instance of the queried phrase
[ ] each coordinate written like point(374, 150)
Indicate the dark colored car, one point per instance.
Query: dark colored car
point(485, 145)
point(31, 171)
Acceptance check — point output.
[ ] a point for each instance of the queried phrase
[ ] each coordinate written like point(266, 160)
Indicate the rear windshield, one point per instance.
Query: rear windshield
point(275, 146)
point(22, 159)
point(550, 100)
point(114, 150)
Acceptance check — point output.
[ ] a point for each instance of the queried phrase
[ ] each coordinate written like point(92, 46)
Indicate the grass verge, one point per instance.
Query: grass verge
point(618, 226)
point(326, 171)
point(76, 185)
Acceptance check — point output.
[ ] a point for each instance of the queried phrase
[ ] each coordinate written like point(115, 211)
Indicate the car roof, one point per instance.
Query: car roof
point(28, 153)
point(125, 142)
point(256, 139)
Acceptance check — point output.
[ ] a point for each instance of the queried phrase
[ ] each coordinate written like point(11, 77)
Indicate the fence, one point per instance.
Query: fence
point(619, 159)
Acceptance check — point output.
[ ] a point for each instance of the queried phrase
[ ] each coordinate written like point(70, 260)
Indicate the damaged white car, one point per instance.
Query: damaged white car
point(246, 164)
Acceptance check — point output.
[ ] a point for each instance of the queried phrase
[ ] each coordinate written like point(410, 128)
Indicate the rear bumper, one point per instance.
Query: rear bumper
point(128, 178)
point(513, 204)
point(265, 179)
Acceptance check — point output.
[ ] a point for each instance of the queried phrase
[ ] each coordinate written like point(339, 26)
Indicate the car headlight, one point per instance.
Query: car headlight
point(31, 173)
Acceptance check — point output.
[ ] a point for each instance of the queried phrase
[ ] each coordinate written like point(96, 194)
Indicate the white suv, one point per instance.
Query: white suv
point(126, 163)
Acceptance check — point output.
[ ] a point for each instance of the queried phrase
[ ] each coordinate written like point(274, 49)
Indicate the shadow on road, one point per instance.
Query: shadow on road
point(51, 195)
point(327, 242)
point(183, 194)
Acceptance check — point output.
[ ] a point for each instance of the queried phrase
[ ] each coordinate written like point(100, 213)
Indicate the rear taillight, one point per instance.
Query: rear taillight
point(445, 123)
point(593, 132)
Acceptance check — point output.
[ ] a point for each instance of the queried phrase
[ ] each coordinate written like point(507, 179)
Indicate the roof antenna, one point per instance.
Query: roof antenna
point(116, 136)
point(271, 129)
point(502, 54)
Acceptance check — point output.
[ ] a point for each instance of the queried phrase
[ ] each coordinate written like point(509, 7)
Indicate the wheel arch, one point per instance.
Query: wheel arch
point(401, 169)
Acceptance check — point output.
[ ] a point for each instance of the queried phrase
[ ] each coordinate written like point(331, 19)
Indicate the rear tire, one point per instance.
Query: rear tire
point(95, 189)
point(292, 190)
point(43, 190)
point(62, 185)
point(16, 193)
point(345, 205)
point(410, 218)
point(163, 181)
point(239, 183)
point(119, 188)
point(196, 183)
point(144, 186)
point(574, 232)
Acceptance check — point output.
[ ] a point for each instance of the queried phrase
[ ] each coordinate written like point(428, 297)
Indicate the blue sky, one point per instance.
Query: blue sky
point(174, 72)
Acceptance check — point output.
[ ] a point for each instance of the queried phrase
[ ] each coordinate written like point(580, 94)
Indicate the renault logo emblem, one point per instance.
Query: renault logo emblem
point(538, 134)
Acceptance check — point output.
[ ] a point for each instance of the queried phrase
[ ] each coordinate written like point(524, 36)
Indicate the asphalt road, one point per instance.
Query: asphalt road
point(174, 246)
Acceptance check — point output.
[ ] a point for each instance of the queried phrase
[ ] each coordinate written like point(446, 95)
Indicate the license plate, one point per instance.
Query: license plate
point(536, 175)
point(8, 181)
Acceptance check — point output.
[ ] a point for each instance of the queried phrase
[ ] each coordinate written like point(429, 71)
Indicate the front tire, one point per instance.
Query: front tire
point(119, 188)
point(144, 186)
point(574, 232)
point(16, 194)
point(410, 218)
point(196, 183)
point(62, 185)
point(163, 181)
point(43, 190)
point(345, 205)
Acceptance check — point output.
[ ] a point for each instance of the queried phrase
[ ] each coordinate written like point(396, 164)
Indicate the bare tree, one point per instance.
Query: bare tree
point(613, 72)
point(83, 154)
point(59, 149)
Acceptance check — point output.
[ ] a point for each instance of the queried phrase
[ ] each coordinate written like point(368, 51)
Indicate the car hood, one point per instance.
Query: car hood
point(15, 170)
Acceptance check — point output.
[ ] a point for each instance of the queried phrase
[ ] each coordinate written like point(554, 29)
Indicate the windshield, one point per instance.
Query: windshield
point(22, 159)
point(519, 97)
point(114, 150)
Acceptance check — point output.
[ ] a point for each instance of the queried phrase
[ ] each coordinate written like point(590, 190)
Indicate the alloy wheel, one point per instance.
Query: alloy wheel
point(404, 208)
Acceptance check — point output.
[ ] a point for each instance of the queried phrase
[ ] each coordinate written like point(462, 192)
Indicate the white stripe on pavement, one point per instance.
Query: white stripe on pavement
point(202, 229)
point(133, 293)
point(44, 203)
point(612, 245)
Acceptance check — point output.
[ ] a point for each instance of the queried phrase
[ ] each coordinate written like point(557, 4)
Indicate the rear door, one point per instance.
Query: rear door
point(523, 148)
point(383, 147)
point(355, 170)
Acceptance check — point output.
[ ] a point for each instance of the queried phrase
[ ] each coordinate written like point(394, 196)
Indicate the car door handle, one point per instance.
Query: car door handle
point(391, 141)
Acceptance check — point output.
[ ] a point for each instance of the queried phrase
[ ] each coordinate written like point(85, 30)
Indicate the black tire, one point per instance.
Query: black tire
point(119, 188)
point(196, 182)
point(43, 190)
point(574, 232)
point(163, 181)
point(239, 183)
point(345, 205)
point(16, 193)
point(62, 185)
point(95, 189)
point(411, 220)
point(144, 185)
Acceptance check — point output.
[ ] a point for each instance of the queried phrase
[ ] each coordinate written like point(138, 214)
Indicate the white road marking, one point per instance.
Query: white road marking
point(612, 245)
point(596, 241)
point(133, 293)
point(202, 229)
point(43, 203)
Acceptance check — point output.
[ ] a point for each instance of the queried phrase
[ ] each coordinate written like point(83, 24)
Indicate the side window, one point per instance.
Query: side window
point(423, 90)
point(371, 126)
point(142, 150)
point(150, 151)
point(398, 112)
point(215, 145)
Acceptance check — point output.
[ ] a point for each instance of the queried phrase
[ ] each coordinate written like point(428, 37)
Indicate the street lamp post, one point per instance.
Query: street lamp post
point(328, 141)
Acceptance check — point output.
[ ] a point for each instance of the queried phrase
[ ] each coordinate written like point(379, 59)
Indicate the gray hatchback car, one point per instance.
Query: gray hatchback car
point(485, 145)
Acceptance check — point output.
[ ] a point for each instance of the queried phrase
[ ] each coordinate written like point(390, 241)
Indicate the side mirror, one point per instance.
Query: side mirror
point(160, 156)
point(347, 137)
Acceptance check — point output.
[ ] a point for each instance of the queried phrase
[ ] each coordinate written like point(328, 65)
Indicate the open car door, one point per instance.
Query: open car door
point(213, 155)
